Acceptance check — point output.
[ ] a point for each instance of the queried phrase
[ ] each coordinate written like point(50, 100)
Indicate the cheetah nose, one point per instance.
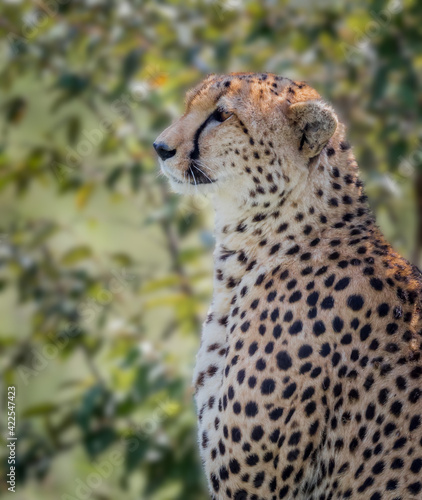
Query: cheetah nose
point(163, 150)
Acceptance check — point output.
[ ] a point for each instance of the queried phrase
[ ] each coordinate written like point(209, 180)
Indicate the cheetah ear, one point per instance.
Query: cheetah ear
point(314, 122)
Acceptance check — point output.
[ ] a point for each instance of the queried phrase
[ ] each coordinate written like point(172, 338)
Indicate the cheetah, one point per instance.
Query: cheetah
point(308, 376)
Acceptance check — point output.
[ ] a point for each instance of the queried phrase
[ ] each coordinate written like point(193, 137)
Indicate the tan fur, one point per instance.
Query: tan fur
point(308, 378)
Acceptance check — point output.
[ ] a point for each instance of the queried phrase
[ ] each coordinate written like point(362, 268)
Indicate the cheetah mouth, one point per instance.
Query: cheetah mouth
point(197, 176)
point(194, 176)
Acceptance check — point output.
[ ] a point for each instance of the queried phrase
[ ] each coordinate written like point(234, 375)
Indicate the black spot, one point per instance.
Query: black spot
point(369, 481)
point(236, 434)
point(365, 331)
point(370, 411)
point(415, 488)
point(325, 350)
point(283, 492)
point(291, 284)
point(307, 393)
point(305, 351)
point(335, 360)
point(383, 310)
point(245, 326)
point(293, 250)
point(224, 473)
point(355, 302)
point(289, 390)
point(234, 466)
point(319, 328)
point(312, 299)
point(269, 347)
point(296, 296)
point(342, 284)
point(284, 361)
point(216, 483)
point(346, 339)
point(241, 376)
point(276, 331)
point(257, 433)
point(338, 324)
point(329, 281)
point(276, 414)
point(369, 382)
point(397, 463)
point(252, 382)
point(310, 408)
point(376, 284)
point(275, 248)
point(296, 327)
point(391, 484)
point(416, 465)
point(267, 386)
point(240, 495)
point(327, 303)
point(378, 467)
point(251, 409)
point(415, 395)
point(415, 423)
point(282, 227)
point(261, 365)
point(253, 348)
point(391, 328)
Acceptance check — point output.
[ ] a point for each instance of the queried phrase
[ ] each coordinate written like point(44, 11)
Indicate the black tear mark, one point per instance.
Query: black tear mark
point(194, 154)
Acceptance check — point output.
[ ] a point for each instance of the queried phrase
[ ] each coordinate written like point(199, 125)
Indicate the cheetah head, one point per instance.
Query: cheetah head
point(249, 137)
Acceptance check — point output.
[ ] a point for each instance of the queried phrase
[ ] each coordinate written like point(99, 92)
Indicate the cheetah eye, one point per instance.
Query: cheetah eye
point(221, 115)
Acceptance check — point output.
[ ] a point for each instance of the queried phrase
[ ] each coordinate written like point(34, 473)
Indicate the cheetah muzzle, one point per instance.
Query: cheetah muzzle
point(308, 377)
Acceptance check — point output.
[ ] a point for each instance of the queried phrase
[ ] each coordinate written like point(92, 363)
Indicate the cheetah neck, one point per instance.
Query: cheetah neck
point(326, 206)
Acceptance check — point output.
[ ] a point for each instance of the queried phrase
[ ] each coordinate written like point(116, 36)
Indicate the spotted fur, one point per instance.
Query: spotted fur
point(308, 377)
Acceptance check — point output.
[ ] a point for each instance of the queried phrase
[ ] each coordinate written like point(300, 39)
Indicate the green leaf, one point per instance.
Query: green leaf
point(76, 254)
point(15, 109)
point(114, 176)
point(135, 176)
point(190, 254)
point(136, 450)
point(97, 442)
point(40, 409)
point(131, 63)
point(73, 129)
point(160, 283)
point(72, 83)
point(122, 259)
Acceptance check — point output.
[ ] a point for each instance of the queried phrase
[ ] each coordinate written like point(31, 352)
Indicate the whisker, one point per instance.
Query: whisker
point(194, 179)
point(202, 172)
point(202, 164)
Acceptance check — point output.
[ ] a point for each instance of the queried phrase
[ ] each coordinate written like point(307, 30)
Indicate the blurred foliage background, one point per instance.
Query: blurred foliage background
point(105, 276)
